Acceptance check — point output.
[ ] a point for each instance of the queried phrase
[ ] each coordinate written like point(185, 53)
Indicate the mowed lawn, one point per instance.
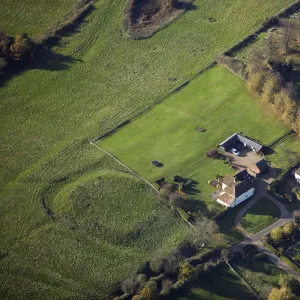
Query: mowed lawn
point(217, 101)
point(219, 284)
point(262, 214)
point(33, 17)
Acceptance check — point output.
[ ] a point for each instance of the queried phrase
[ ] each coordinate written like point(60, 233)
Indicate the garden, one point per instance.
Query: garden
point(262, 214)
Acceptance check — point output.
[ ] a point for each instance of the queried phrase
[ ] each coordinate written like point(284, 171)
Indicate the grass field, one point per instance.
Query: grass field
point(168, 132)
point(17, 16)
point(262, 214)
point(94, 80)
point(219, 284)
point(261, 275)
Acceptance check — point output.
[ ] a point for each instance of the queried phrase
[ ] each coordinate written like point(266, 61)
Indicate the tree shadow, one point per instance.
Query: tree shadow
point(184, 5)
point(45, 58)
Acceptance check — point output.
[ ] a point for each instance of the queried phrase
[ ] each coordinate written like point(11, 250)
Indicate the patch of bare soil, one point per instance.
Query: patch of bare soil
point(142, 18)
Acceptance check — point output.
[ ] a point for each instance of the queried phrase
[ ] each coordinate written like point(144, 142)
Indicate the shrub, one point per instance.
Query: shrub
point(277, 234)
point(186, 272)
point(289, 229)
point(166, 287)
point(280, 294)
point(129, 285)
point(149, 292)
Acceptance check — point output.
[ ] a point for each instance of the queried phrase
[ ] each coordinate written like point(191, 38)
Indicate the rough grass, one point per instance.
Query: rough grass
point(106, 225)
point(22, 16)
point(220, 284)
point(94, 80)
point(262, 214)
point(168, 132)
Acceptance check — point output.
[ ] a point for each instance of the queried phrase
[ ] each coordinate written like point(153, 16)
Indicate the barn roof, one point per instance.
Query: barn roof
point(238, 137)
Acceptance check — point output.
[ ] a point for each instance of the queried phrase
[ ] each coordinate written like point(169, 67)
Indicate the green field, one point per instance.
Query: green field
point(262, 214)
point(168, 132)
point(219, 284)
point(33, 17)
point(94, 80)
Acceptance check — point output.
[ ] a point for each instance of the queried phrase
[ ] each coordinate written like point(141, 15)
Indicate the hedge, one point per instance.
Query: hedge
point(290, 263)
point(183, 214)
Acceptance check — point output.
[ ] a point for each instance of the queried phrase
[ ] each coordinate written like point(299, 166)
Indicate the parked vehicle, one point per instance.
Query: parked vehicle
point(235, 152)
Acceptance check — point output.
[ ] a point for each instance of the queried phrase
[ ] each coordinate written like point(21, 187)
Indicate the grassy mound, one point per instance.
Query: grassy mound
point(262, 214)
point(143, 18)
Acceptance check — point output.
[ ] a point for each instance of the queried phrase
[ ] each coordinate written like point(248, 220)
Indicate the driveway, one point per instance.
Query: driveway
point(246, 158)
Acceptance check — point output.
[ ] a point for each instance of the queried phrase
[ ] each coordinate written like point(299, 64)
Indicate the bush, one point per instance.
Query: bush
point(129, 285)
point(166, 287)
point(149, 292)
point(186, 272)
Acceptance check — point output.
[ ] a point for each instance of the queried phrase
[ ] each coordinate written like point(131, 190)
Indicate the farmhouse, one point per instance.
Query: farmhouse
point(297, 175)
point(259, 168)
point(235, 191)
point(237, 140)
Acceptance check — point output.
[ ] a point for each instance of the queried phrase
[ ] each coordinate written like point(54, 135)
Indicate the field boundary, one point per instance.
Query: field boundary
point(250, 288)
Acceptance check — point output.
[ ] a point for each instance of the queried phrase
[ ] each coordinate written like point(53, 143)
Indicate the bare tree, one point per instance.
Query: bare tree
point(287, 34)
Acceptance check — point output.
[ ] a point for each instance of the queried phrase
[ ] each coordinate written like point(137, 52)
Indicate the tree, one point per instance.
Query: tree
point(172, 262)
point(166, 287)
point(225, 255)
point(149, 292)
point(287, 35)
point(129, 285)
point(204, 233)
point(283, 293)
point(270, 89)
point(296, 215)
point(277, 234)
point(186, 272)
point(21, 47)
point(289, 229)
point(296, 192)
point(289, 282)
point(157, 263)
point(255, 83)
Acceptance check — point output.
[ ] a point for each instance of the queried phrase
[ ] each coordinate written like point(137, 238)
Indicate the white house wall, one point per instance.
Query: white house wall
point(243, 197)
point(223, 203)
point(297, 176)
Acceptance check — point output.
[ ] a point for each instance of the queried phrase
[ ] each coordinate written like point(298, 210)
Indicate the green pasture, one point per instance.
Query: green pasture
point(219, 284)
point(33, 17)
point(262, 214)
point(217, 101)
point(95, 79)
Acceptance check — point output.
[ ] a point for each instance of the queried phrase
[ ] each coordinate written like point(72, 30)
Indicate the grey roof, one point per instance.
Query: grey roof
point(249, 142)
point(237, 137)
